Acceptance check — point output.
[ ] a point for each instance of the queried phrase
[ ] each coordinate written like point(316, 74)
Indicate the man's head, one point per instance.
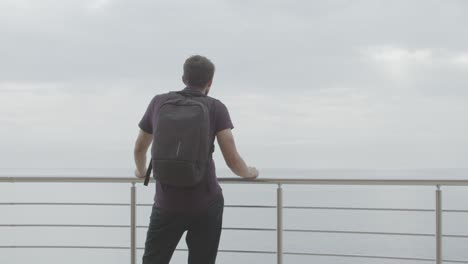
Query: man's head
point(198, 72)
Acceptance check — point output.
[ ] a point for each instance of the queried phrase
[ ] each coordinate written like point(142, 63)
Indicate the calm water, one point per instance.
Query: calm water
point(455, 223)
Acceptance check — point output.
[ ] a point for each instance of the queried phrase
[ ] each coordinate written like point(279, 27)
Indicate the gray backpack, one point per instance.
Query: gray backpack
point(181, 144)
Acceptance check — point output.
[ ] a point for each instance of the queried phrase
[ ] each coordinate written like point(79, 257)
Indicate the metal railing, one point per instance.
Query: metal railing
point(438, 234)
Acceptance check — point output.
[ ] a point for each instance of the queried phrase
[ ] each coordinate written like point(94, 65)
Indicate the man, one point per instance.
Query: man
point(199, 208)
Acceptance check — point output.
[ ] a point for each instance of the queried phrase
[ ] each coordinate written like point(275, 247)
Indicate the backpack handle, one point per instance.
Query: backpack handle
point(191, 94)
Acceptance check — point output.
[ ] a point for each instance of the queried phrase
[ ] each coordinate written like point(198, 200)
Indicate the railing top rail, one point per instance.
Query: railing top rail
point(314, 181)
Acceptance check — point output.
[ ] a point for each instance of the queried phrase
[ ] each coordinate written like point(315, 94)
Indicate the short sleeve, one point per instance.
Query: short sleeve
point(222, 117)
point(146, 122)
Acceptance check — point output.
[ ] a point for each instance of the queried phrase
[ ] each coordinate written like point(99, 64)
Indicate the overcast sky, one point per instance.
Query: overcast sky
point(309, 84)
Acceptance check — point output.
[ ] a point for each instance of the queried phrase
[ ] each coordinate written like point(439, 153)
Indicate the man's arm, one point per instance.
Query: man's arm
point(231, 156)
point(142, 144)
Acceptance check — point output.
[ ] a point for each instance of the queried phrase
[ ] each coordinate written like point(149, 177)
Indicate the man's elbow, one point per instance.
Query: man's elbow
point(233, 162)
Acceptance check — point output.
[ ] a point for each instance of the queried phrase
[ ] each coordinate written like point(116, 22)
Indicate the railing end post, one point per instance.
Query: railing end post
point(279, 224)
point(439, 231)
point(133, 249)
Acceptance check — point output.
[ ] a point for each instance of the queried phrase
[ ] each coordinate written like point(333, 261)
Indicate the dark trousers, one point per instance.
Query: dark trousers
point(203, 234)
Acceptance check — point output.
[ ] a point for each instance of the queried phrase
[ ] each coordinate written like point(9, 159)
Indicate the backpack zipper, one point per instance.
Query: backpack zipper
point(178, 148)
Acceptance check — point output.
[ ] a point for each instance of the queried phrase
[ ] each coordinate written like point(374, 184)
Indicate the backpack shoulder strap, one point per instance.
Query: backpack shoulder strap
point(164, 97)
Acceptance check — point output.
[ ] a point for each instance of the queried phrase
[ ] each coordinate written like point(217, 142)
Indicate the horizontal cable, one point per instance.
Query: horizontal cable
point(120, 204)
point(237, 251)
point(373, 257)
point(65, 247)
point(337, 232)
point(243, 252)
point(232, 206)
point(370, 233)
point(358, 208)
point(73, 204)
point(374, 209)
point(253, 206)
point(246, 229)
point(223, 180)
point(455, 211)
point(64, 225)
point(250, 229)
point(357, 256)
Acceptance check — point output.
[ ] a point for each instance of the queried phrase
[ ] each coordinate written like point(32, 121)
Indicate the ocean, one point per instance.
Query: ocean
point(329, 215)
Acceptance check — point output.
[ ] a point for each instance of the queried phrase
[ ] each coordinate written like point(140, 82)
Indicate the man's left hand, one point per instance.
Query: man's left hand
point(138, 174)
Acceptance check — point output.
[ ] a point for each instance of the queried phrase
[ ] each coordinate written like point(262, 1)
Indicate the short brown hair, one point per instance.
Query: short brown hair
point(198, 71)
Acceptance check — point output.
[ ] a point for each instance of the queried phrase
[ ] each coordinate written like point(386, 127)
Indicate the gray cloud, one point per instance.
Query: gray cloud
point(300, 43)
point(341, 82)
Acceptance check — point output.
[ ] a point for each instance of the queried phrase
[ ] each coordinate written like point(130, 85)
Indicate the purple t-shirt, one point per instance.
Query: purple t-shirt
point(195, 199)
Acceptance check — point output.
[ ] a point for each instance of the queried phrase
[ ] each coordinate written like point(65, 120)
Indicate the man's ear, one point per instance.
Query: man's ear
point(184, 80)
point(210, 82)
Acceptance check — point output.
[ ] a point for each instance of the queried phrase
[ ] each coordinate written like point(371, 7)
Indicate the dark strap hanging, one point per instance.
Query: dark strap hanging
point(148, 173)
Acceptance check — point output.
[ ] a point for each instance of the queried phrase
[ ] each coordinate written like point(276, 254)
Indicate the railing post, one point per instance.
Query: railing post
point(438, 225)
point(133, 224)
point(279, 224)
